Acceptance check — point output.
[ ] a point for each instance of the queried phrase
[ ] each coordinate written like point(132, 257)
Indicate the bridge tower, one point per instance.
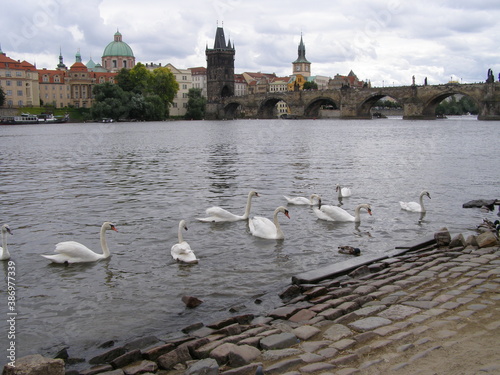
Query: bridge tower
point(220, 68)
point(301, 65)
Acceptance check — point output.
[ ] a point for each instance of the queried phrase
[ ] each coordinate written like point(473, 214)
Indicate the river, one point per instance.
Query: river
point(62, 181)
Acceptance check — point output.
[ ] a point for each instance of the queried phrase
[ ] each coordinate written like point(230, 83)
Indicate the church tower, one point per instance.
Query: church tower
point(301, 65)
point(220, 68)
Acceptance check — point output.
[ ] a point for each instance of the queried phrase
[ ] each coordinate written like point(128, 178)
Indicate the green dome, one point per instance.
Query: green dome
point(118, 48)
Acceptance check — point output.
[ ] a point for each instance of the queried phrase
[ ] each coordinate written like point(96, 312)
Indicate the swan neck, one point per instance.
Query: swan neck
point(357, 216)
point(179, 234)
point(422, 202)
point(276, 222)
point(104, 244)
point(5, 251)
point(248, 206)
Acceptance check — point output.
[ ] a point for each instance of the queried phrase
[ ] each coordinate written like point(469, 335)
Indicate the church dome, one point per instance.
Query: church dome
point(118, 48)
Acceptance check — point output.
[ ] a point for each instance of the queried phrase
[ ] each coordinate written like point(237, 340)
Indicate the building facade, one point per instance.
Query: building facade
point(19, 82)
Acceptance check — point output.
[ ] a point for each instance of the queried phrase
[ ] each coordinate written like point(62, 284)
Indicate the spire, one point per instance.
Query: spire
point(78, 57)
point(302, 52)
point(61, 65)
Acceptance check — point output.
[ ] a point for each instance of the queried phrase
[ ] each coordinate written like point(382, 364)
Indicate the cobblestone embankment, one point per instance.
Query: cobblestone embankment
point(423, 310)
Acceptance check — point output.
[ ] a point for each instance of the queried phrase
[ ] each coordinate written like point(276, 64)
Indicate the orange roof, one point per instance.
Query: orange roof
point(79, 66)
point(51, 75)
point(7, 62)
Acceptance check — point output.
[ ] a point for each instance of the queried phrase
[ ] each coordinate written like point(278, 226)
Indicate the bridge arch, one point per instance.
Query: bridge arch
point(267, 108)
point(430, 105)
point(312, 109)
point(232, 110)
point(364, 108)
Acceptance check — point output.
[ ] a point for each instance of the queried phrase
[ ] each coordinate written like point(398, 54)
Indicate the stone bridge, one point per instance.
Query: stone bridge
point(418, 102)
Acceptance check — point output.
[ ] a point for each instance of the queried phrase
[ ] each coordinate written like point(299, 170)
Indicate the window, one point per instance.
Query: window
point(45, 78)
point(184, 78)
point(8, 93)
point(20, 103)
point(114, 64)
point(19, 74)
point(8, 73)
point(57, 79)
point(184, 86)
point(9, 83)
point(19, 92)
point(124, 63)
point(19, 83)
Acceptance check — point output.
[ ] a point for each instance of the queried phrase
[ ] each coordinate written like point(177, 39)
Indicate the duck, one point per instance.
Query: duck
point(220, 215)
point(181, 251)
point(414, 206)
point(349, 250)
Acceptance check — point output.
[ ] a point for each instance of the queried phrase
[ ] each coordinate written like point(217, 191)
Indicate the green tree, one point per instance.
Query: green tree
point(110, 102)
point(163, 83)
point(196, 105)
point(134, 80)
point(2, 97)
point(310, 86)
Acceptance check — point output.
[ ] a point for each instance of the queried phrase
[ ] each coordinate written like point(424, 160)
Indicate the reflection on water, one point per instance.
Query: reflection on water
point(60, 182)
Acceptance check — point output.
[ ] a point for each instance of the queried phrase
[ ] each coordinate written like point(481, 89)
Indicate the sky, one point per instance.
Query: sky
point(386, 42)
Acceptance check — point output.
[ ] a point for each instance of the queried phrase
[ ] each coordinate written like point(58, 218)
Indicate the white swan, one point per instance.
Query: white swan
point(264, 228)
point(343, 192)
point(75, 252)
point(219, 215)
point(335, 213)
point(414, 206)
point(181, 251)
point(4, 252)
point(302, 200)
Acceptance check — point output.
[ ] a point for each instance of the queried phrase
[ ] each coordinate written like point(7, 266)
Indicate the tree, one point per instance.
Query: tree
point(110, 102)
point(2, 97)
point(310, 86)
point(163, 83)
point(196, 105)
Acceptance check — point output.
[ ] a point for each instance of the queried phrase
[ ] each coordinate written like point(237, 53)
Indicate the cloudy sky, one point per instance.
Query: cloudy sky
point(384, 41)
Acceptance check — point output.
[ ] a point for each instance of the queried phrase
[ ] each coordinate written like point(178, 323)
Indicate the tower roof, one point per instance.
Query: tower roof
point(302, 53)
point(117, 47)
point(220, 40)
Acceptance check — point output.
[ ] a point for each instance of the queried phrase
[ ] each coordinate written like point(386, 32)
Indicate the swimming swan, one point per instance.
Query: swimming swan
point(334, 213)
point(219, 215)
point(181, 251)
point(74, 252)
point(414, 206)
point(302, 200)
point(343, 192)
point(4, 252)
point(264, 228)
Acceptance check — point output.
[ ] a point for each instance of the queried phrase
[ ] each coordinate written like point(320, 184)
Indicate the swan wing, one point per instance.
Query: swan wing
point(73, 252)
point(182, 252)
point(321, 215)
point(262, 227)
point(298, 200)
point(218, 214)
point(346, 192)
point(337, 213)
point(411, 206)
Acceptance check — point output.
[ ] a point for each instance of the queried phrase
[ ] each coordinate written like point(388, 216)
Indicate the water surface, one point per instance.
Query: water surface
point(60, 182)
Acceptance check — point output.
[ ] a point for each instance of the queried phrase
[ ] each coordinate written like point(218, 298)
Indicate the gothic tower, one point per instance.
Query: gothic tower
point(220, 68)
point(301, 65)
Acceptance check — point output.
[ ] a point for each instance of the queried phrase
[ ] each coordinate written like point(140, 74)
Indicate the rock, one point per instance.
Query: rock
point(221, 352)
point(179, 355)
point(458, 241)
point(471, 241)
point(360, 271)
point(243, 355)
point(306, 332)
point(108, 356)
point(153, 353)
point(206, 366)
point(442, 237)
point(191, 302)
point(278, 341)
point(127, 358)
point(141, 343)
point(478, 203)
point(291, 292)
point(337, 332)
point(35, 365)
point(140, 367)
point(486, 239)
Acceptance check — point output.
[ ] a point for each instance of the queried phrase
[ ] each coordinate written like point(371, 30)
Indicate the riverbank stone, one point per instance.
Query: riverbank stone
point(278, 341)
point(35, 364)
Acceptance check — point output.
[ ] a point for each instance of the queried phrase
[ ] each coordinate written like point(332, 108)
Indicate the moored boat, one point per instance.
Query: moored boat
point(24, 118)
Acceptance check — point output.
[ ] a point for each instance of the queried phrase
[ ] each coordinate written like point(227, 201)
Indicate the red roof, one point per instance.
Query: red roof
point(8, 63)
